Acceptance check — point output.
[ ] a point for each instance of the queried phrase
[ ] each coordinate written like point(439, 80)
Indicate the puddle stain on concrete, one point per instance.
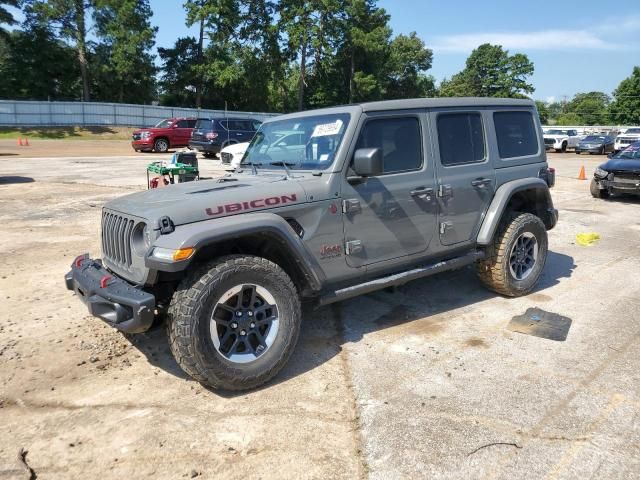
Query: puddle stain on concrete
point(539, 323)
point(539, 297)
point(476, 342)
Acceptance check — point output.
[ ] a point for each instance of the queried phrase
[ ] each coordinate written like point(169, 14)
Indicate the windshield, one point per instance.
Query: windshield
point(594, 138)
point(632, 151)
point(556, 132)
point(164, 124)
point(306, 143)
point(633, 130)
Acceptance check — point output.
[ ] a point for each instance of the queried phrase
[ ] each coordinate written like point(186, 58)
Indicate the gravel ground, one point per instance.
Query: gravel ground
point(426, 382)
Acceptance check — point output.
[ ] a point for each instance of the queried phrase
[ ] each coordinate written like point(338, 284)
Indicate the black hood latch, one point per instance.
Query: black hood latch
point(166, 225)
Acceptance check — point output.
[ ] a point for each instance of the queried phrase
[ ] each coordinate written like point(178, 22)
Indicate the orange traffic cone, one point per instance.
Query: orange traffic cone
point(19, 141)
point(26, 142)
point(581, 175)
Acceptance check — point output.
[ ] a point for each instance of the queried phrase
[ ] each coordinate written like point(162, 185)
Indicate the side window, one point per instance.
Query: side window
point(191, 123)
point(516, 134)
point(224, 124)
point(461, 138)
point(182, 124)
point(400, 140)
point(255, 124)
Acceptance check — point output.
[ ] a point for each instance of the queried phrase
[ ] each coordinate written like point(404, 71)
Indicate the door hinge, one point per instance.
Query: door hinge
point(351, 205)
point(352, 247)
point(444, 226)
point(445, 191)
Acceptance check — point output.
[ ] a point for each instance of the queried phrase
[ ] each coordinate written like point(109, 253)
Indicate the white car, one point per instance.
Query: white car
point(231, 155)
point(561, 139)
point(631, 135)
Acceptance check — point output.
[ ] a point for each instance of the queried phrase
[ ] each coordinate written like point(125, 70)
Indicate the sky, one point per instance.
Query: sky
point(576, 46)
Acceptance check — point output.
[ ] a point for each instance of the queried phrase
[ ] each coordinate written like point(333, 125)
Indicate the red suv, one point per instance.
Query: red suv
point(170, 133)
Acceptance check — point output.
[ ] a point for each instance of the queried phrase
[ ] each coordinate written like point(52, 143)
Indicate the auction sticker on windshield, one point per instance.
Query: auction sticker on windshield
point(327, 129)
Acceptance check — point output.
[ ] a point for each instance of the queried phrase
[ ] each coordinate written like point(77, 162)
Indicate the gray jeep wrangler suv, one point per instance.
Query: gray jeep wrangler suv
point(326, 205)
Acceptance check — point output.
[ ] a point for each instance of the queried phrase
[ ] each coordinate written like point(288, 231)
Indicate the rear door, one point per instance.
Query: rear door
point(392, 215)
point(181, 133)
point(466, 178)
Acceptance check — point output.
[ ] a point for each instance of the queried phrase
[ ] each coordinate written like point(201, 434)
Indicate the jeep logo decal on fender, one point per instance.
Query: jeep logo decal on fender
point(251, 205)
point(330, 251)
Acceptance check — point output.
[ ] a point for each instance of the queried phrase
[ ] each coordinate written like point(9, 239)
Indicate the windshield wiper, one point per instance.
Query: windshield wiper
point(285, 165)
point(254, 168)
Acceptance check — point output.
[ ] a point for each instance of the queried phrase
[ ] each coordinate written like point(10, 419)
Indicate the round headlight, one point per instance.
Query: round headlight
point(141, 238)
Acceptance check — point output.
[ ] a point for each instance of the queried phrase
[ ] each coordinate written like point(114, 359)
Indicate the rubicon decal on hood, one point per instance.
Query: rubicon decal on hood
point(251, 205)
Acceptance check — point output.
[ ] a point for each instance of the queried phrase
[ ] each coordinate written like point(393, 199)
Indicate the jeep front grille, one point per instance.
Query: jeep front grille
point(116, 238)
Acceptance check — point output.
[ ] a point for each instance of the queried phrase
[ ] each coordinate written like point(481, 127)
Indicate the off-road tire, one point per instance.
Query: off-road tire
point(494, 269)
point(161, 145)
point(596, 192)
point(189, 314)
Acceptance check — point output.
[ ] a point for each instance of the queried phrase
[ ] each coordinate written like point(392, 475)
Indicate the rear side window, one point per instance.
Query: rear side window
point(183, 124)
point(461, 138)
point(204, 124)
point(191, 123)
point(400, 140)
point(516, 134)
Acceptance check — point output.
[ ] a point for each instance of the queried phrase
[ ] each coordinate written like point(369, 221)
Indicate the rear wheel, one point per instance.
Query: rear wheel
point(517, 256)
point(564, 147)
point(596, 192)
point(161, 145)
point(234, 323)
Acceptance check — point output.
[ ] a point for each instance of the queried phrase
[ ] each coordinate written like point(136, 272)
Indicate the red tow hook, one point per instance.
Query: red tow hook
point(104, 280)
point(78, 261)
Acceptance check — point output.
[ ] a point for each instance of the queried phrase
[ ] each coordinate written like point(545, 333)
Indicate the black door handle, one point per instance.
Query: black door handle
point(480, 182)
point(422, 193)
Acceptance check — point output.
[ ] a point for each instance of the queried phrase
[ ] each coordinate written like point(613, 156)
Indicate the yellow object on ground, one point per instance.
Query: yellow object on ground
point(587, 239)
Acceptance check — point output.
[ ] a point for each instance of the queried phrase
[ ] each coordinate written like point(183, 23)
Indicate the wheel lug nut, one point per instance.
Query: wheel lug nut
point(243, 332)
point(238, 313)
point(250, 313)
point(253, 325)
point(234, 325)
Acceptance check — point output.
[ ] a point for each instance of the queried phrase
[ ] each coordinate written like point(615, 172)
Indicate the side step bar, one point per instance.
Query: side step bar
point(400, 278)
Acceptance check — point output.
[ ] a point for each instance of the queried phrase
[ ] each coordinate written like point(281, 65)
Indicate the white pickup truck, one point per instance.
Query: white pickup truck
point(631, 135)
point(560, 139)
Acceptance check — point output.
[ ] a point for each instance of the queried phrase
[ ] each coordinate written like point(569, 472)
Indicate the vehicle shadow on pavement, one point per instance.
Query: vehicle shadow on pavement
point(326, 329)
point(9, 180)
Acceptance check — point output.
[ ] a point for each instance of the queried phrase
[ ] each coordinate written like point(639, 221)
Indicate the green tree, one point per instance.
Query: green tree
point(408, 60)
point(178, 79)
point(569, 119)
point(591, 108)
point(625, 108)
point(56, 74)
point(543, 112)
point(126, 37)
point(6, 18)
point(69, 18)
point(491, 72)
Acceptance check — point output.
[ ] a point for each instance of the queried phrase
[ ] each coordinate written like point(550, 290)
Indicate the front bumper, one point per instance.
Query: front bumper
point(141, 144)
point(620, 185)
point(110, 298)
point(597, 149)
point(204, 146)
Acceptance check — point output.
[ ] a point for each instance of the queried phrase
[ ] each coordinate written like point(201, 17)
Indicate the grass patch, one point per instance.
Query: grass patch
point(68, 133)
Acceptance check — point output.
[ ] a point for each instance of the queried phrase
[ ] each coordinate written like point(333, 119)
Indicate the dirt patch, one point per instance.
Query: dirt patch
point(475, 342)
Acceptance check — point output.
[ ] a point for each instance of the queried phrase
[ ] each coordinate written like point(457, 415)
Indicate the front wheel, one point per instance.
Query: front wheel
point(161, 145)
point(517, 256)
point(233, 323)
point(596, 192)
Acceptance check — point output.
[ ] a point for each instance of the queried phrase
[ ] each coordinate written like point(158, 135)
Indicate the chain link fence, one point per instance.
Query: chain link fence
point(91, 114)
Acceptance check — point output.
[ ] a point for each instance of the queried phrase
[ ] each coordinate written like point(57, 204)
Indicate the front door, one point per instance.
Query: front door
point(466, 179)
point(394, 214)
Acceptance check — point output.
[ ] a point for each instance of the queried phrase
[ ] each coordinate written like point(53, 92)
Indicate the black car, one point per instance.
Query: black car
point(596, 144)
point(621, 174)
point(211, 135)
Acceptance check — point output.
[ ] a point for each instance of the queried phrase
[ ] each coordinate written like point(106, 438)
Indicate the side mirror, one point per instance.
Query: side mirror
point(368, 162)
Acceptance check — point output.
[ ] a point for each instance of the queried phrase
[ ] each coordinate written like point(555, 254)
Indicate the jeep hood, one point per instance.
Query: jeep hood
point(206, 199)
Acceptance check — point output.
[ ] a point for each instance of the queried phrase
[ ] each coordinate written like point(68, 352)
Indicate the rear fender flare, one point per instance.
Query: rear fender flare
point(501, 199)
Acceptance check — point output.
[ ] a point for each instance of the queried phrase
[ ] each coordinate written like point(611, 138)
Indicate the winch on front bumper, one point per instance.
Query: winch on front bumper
point(110, 298)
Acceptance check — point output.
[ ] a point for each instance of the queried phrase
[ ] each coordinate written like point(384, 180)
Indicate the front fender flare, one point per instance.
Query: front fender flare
point(201, 234)
point(501, 200)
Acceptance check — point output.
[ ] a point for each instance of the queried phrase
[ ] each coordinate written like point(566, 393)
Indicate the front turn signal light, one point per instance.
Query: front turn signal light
point(170, 255)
